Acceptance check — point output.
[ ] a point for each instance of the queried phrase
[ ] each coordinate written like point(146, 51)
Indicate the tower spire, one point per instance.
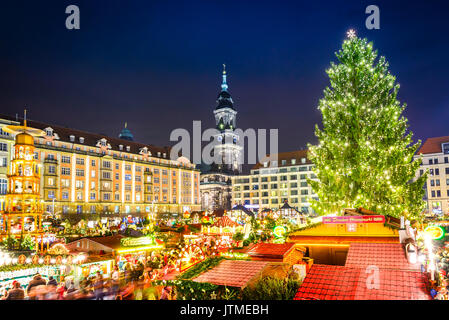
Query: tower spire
point(224, 85)
point(25, 118)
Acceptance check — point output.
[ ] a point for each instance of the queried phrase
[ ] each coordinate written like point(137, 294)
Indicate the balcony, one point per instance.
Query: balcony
point(50, 161)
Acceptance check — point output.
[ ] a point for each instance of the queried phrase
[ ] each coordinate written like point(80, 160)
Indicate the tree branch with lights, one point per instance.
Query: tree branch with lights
point(364, 157)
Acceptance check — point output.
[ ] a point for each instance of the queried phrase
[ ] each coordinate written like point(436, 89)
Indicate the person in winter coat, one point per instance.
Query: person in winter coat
point(16, 293)
point(37, 281)
point(52, 282)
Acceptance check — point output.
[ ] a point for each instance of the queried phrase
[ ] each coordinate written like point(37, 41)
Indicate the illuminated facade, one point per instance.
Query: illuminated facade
point(270, 184)
point(216, 179)
point(91, 173)
point(23, 207)
point(435, 160)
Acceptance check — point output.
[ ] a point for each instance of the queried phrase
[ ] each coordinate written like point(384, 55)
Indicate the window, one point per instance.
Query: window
point(92, 196)
point(446, 159)
point(117, 197)
point(81, 140)
point(117, 166)
point(293, 161)
point(127, 177)
point(106, 175)
point(437, 172)
point(433, 194)
point(117, 176)
point(432, 183)
point(51, 194)
point(93, 174)
point(79, 172)
point(128, 167)
point(446, 148)
point(3, 147)
point(438, 193)
point(65, 159)
point(93, 163)
point(79, 184)
point(437, 182)
point(65, 183)
point(65, 171)
point(65, 195)
point(447, 170)
point(106, 196)
point(106, 164)
point(80, 161)
point(3, 186)
point(430, 161)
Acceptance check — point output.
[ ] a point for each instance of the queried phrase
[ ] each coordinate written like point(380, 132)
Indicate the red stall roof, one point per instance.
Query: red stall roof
point(232, 273)
point(271, 250)
point(398, 279)
point(326, 282)
point(382, 255)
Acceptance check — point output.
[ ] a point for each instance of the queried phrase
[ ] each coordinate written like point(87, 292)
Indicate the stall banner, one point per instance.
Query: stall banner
point(133, 242)
point(354, 219)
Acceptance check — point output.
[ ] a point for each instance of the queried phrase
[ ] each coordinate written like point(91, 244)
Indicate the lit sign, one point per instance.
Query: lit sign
point(279, 231)
point(134, 242)
point(354, 219)
point(435, 232)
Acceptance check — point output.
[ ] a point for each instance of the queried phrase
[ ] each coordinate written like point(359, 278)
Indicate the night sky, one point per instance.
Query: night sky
point(157, 65)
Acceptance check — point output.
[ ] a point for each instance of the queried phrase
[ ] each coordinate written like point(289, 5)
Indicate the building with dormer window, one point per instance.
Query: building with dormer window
point(88, 173)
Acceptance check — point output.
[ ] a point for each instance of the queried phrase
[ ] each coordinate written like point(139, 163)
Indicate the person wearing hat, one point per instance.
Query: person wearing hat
point(16, 293)
point(37, 281)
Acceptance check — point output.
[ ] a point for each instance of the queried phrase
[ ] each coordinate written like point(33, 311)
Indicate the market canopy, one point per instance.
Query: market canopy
point(232, 273)
point(225, 222)
point(244, 209)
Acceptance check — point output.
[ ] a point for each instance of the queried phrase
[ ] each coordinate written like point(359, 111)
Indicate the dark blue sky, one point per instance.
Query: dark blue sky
point(158, 64)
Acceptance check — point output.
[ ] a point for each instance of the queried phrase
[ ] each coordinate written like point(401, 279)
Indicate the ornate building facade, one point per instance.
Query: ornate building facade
point(91, 173)
point(216, 182)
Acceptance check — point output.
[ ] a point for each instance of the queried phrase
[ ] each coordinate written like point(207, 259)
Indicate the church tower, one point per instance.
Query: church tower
point(225, 119)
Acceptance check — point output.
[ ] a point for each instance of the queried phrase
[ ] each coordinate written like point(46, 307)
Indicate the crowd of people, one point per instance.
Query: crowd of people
point(134, 280)
point(96, 287)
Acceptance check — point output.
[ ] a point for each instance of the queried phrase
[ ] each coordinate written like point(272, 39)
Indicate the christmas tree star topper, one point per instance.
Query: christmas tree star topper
point(351, 33)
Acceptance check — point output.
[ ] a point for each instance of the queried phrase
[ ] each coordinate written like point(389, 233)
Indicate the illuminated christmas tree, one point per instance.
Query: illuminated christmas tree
point(23, 208)
point(364, 157)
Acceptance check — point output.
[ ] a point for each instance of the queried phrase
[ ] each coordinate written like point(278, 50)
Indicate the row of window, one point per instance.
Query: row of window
point(437, 193)
point(271, 194)
point(273, 186)
point(274, 178)
point(434, 172)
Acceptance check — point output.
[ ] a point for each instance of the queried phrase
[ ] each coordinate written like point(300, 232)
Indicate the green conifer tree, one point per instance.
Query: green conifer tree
point(364, 157)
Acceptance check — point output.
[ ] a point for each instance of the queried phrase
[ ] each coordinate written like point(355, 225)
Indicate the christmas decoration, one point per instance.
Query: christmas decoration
point(364, 157)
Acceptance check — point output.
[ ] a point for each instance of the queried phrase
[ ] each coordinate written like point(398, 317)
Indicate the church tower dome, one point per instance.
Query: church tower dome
point(126, 134)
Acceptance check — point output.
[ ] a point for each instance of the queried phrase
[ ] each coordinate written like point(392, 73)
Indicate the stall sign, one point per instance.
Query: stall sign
point(354, 219)
point(279, 231)
point(435, 232)
point(134, 242)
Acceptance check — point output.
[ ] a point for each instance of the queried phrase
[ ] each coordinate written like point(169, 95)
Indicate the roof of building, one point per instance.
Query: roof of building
point(287, 156)
point(91, 139)
point(225, 221)
point(112, 242)
point(232, 273)
point(326, 282)
point(433, 145)
point(271, 250)
point(382, 255)
point(244, 209)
